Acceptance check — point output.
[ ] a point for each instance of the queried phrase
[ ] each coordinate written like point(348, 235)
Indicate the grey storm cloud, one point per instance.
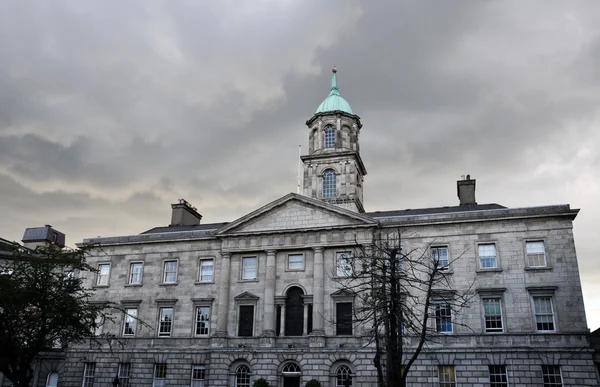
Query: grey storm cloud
point(110, 111)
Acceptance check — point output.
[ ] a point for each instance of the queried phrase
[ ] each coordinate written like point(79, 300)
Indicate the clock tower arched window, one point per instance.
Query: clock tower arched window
point(329, 183)
point(329, 137)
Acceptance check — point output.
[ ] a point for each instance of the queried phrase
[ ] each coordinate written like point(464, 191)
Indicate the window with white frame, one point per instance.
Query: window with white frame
point(443, 317)
point(329, 184)
point(487, 256)
point(329, 137)
point(160, 375)
point(170, 272)
point(343, 376)
point(544, 314)
point(89, 371)
point(135, 273)
point(98, 325)
point(498, 376)
point(125, 374)
point(165, 322)
point(198, 375)
point(242, 376)
point(295, 261)
point(439, 256)
point(52, 379)
point(249, 268)
point(103, 274)
point(536, 253)
point(206, 270)
point(492, 311)
point(202, 320)
point(552, 376)
point(344, 264)
point(446, 375)
point(129, 322)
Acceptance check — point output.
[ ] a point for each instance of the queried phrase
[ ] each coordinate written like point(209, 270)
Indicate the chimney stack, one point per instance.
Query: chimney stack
point(184, 214)
point(466, 191)
point(43, 236)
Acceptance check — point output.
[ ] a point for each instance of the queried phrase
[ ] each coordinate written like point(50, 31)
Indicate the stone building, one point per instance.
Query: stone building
point(228, 303)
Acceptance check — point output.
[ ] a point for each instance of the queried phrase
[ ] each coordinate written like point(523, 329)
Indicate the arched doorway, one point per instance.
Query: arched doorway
point(294, 312)
point(291, 375)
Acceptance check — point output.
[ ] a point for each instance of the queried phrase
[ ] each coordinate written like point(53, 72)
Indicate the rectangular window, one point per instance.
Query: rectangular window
point(170, 272)
point(536, 254)
point(492, 310)
point(552, 376)
point(246, 321)
point(544, 314)
point(129, 322)
point(498, 376)
point(89, 370)
point(487, 256)
point(202, 320)
point(125, 374)
point(249, 268)
point(103, 274)
point(439, 255)
point(344, 264)
point(98, 325)
point(343, 318)
point(135, 273)
point(296, 262)
point(206, 270)
point(165, 322)
point(447, 376)
point(443, 318)
point(198, 375)
point(160, 375)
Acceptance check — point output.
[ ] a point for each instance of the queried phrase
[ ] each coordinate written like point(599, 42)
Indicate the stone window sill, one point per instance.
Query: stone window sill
point(100, 286)
point(132, 285)
point(168, 284)
point(544, 268)
point(248, 280)
point(204, 282)
point(494, 270)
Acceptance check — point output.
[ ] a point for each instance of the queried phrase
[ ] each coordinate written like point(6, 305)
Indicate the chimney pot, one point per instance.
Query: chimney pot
point(466, 191)
point(184, 214)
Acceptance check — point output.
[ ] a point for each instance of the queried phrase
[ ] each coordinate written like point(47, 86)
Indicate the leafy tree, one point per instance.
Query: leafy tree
point(313, 383)
point(260, 383)
point(43, 305)
point(397, 292)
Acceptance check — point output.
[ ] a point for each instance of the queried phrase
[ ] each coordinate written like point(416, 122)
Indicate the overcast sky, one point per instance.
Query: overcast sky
point(112, 110)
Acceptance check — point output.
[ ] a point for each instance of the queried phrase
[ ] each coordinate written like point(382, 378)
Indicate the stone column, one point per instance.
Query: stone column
point(269, 300)
point(224, 280)
point(305, 326)
point(282, 321)
point(318, 292)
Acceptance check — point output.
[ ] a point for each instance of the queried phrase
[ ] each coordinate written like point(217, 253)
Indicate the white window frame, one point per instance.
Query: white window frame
point(289, 266)
point(89, 373)
point(166, 273)
point(202, 263)
point(545, 373)
point(447, 379)
point(495, 372)
point(437, 261)
point(249, 376)
point(99, 325)
point(156, 381)
point(342, 372)
point(103, 279)
point(329, 187)
point(132, 273)
point(483, 303)
point(535, 312)
point(129, 319)
point(344, 264)
point(481, 257)
point(195, 381)
point(443, 304)
point(246, 274)
point(124, 373)
point(161, 315)
point(529, 254)
point(207, 322)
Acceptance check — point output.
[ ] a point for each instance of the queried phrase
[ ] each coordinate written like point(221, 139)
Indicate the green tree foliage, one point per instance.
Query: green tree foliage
point(43, 305)
point(260, 383)
point(313, 383)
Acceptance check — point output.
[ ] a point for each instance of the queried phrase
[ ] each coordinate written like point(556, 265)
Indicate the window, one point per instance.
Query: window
point(536, 254)
point(487, 256)
point(551, 375)
point(202, 320)
point(98, 325)
point(125, 374)
point(329, 185)
point(343, 318)
point(439, 255)
point(295, 262)
point(103, 274)
point(498, 376)
point(544, 314)
point(246, 320)
point(135, 273)
point(165, 322)
point(170, 272)
point(443, 318)
point(329, 137)
point(492, 311)
point(343, 376)
point(242, 376)
point(130, 322)
point(52, 379)
point(206, 270)
point(89, 369)
point(249, 268)
point(160, 375)
point(344, 264)
point(198, 376)
point(446, 376)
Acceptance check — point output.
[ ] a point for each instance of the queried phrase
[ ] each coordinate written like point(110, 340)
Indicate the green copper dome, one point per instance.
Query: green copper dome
point(334, 100)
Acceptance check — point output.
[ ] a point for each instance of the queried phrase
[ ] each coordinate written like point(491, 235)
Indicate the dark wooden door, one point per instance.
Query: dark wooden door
point(291, 381)
point(294, 312)
point(246, 320)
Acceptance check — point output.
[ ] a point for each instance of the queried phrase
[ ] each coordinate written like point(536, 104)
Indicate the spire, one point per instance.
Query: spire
point(334, 100)
point(334, 88)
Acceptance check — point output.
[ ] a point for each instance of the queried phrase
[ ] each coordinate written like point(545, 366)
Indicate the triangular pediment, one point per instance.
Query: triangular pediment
point(343, 293)
point(293, 212)
point(246, 296)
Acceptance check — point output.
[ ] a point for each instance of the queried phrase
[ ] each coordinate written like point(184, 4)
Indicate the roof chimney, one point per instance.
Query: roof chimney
point(43, 236)
point(184, 214)
point(466, 191)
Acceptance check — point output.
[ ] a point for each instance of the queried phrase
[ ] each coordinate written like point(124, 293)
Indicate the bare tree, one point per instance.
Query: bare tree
point(404, 298)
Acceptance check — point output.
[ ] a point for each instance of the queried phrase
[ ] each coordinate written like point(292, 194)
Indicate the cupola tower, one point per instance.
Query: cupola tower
point(333, 169)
